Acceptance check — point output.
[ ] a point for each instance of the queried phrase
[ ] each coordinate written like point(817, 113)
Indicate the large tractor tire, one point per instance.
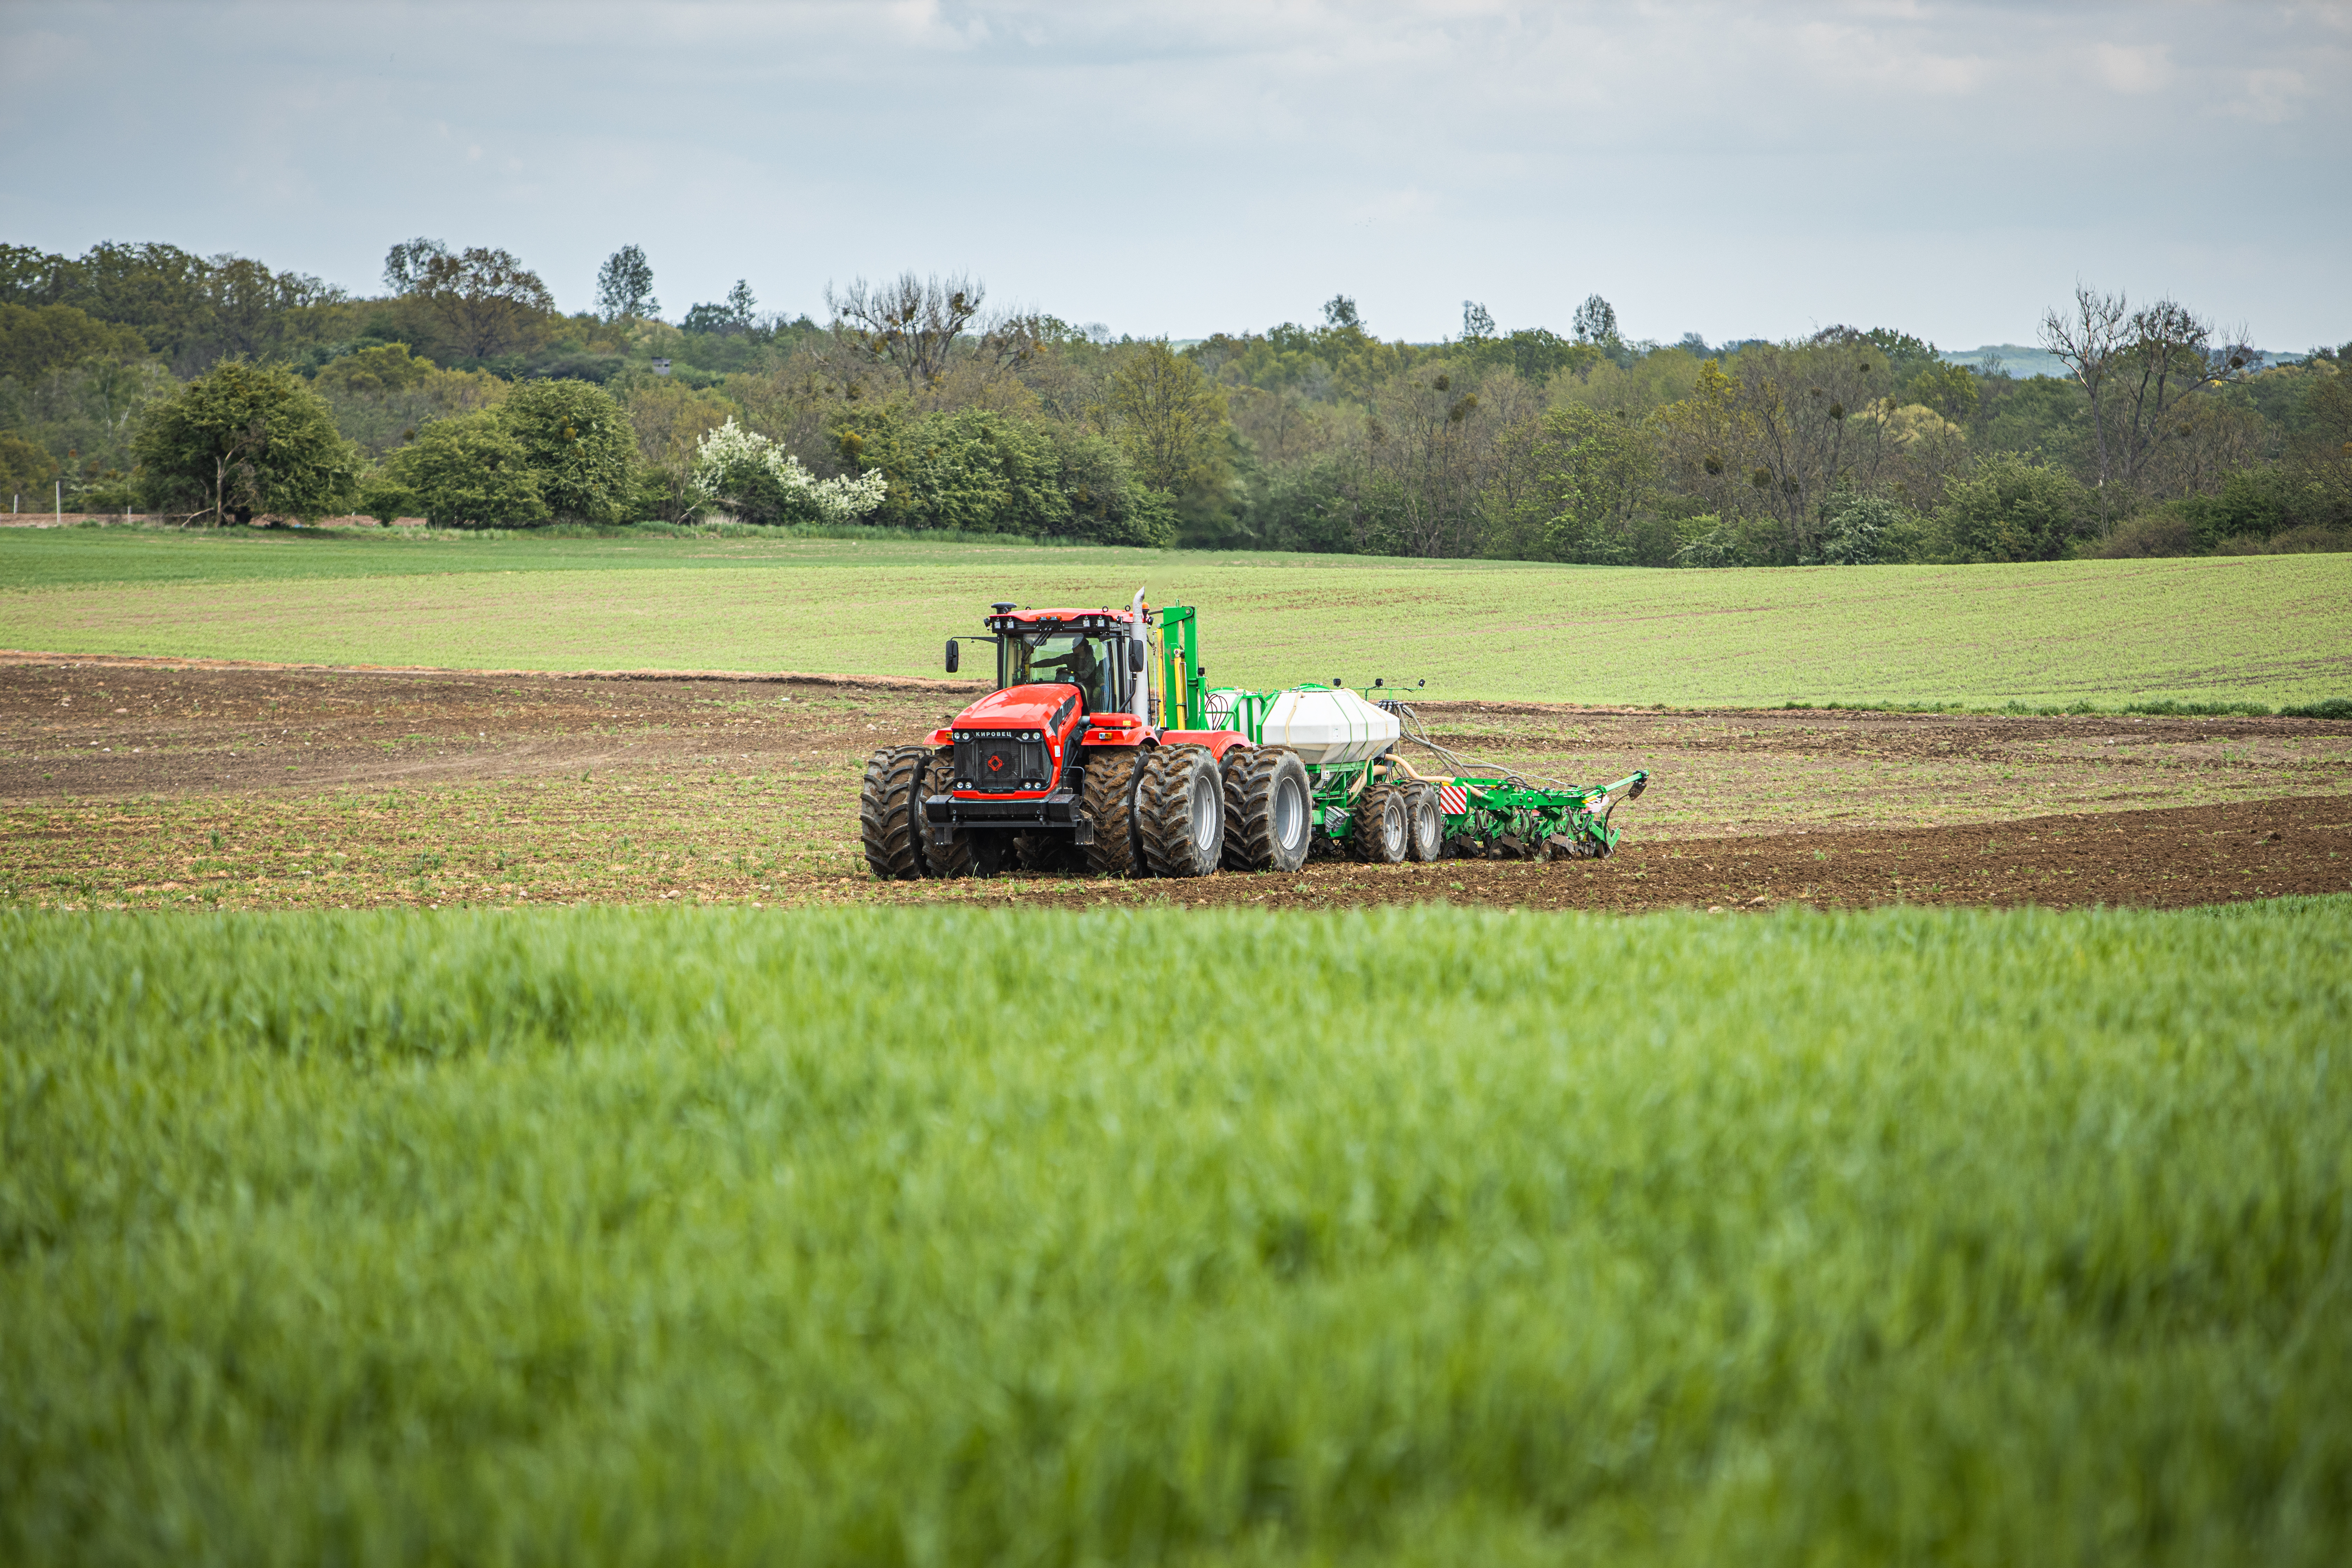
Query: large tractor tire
point(890, 813)
point(1112, 779)
point(1269, 810)
point(957, 857)
point(1046, 852)
point(1425, 839)
point(1181, 810)
point(1378, 833)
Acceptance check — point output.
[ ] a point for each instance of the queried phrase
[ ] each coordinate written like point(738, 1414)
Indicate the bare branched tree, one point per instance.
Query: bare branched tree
point(1014, 338)
point(2087, 340)
point(1429, 443)
point(2173, 354)
point(2137, 368)
point(909, 323)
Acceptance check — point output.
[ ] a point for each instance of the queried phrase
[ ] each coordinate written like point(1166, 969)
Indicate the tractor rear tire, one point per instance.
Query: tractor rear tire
point(890, 813)
point(1269, 810)
point(956, 857)
point(1112, 778)
point(1377, 833)
point(1424, 826)
point(1181, 810)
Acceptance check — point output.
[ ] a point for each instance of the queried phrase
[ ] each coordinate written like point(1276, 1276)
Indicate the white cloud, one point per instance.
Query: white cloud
point(2134, 68)
point(1722, 168)
point(2271, 96)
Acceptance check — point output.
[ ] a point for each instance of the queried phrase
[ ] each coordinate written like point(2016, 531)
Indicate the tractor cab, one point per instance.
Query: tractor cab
point(1094, 661)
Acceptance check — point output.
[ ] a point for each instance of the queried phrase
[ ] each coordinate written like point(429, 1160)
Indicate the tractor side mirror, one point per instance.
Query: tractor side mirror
point(955, 656)
point(1134, 657)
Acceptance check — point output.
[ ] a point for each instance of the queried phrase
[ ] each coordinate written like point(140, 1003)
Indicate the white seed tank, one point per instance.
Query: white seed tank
point(1325, 727)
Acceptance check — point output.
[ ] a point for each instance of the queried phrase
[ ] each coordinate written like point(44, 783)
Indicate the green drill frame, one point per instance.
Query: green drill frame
point(1502, 817)
point(1508, 819)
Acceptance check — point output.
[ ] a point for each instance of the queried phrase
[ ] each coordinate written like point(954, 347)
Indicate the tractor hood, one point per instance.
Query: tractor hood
point(1016, 707)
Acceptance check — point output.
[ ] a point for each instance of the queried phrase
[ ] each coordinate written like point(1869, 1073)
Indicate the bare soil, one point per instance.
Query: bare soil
point(137, 784)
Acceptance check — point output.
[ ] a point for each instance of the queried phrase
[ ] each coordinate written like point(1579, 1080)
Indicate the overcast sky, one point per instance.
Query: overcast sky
point(1184, 168)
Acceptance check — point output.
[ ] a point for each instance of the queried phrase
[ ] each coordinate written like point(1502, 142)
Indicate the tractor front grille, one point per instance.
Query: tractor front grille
point(999, 763)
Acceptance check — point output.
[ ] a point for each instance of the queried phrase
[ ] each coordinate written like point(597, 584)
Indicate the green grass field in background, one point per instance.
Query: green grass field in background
point(2265, 630)
point(1418, 1237)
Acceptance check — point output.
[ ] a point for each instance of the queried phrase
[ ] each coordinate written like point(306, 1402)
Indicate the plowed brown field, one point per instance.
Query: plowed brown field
point(148, 783)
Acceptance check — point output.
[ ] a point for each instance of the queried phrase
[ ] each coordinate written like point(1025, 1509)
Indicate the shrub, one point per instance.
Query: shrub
point(987, 473)
point(470, 471)
point(2253, 502)
point(2312, 539)
point(1857, 529)
point(2166, 530)
point(2010, 507)
point(579, 445)
point(1108, 504)
point(386, 500)
point(24, 468)
point(1707, 542)
point(759, 481)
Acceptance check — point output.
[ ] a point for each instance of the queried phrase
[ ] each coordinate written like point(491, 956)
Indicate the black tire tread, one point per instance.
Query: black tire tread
point(1164, 811)
point(1117, 849)
point(953, 858)
point(889, 810)
point(1365, 841)
point(1418, 799)
point(1250, 844)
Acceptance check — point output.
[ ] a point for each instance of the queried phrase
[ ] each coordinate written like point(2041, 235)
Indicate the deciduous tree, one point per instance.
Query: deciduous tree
point(37, 339)
point(404, 263)
point(1169, 417)
point(244, 440)
point(2137, 368)
point(470, 471)
point(908, 322)
point(383, 396)
point(1591, 471)
point(578, 442)
point(624, 287)
point(1595, 321)
point(486, 301)
point(25, 471)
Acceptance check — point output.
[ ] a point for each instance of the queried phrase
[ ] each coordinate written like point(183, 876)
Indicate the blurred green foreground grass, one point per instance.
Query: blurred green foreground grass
point(627, 1236)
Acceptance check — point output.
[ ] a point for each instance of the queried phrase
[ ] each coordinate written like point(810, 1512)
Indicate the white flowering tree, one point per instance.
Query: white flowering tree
point(759, 481)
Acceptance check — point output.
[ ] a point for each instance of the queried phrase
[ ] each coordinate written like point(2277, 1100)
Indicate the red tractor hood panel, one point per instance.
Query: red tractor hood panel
point(1015, 707)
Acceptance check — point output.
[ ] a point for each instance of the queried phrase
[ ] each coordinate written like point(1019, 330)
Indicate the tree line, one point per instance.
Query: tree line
point(214, 388)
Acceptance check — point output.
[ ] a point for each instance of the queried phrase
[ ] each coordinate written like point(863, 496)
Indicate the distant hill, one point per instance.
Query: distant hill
point(2015, 359)
point(2022, 361)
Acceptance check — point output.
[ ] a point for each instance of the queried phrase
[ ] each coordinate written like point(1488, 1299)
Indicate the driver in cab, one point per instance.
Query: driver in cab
point(1077, 664)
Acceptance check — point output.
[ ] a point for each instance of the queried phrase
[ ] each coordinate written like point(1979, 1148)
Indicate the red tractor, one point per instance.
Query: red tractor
point(1081, 760)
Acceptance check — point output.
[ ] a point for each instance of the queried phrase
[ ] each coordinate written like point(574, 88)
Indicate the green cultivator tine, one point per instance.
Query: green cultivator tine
point(1512, 819)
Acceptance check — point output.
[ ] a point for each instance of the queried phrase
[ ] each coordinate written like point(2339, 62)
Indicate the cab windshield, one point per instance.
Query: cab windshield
point(1088, 663)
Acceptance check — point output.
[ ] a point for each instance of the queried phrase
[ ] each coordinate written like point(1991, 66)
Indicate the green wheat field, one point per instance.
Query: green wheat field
point(2270, 631)
point(628, 1236)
